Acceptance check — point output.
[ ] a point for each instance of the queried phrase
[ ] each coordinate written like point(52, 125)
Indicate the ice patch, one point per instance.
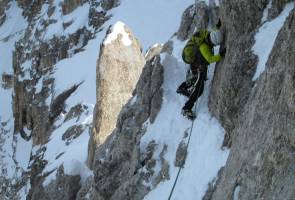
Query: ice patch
point(118, 28)
point(236, 193)
point(265, 39)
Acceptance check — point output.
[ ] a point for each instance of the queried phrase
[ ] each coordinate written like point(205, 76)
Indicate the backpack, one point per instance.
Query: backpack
point(191, 53)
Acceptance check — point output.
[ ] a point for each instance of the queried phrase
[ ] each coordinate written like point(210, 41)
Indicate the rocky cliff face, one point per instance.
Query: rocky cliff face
point(36, 39)
point(118, 69)
point(46, 126)
point(118, 163)
point(258, 114)
point(255, 113)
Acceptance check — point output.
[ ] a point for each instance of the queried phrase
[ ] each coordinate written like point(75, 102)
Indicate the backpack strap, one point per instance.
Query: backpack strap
point(191, 53)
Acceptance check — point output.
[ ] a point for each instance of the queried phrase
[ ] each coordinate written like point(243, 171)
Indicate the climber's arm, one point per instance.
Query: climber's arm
point(208, 55)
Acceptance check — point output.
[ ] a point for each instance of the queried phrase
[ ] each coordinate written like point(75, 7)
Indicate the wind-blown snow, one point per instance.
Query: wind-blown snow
point(151, 21)
point(265, 39)
point(23, 151)
point(10, 32)
point(150, 27)
point(118, 28)
point(159, 25)
point(78, 19)
point(204, 154)
point(72, 155)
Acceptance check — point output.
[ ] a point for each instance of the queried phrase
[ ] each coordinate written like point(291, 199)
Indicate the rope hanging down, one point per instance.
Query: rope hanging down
point(176, 179)
point(189, 138)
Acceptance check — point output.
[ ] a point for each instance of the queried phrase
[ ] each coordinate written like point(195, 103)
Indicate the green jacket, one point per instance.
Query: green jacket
point(206, 52)
point(200, 41)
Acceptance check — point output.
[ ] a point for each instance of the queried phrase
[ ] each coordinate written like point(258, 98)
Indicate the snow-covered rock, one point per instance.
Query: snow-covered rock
point(49, 139)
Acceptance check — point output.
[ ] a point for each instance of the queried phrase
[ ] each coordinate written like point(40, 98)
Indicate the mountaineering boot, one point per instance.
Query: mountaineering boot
point(183, 91)
point(188, 113)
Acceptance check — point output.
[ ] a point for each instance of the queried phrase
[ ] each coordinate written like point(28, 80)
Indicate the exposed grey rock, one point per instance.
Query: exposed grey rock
point(212, 186)
point(118, 163)
point(88, 191)
point(118, 70)
point(72, 133)
point(30, 7)
point(201, 19)
point(36, 179)
point(228, 95)
point(3, 6)
point(64, 187)
point(97, 18)
point(195, 17)
point(109, 4)
point(277, 7)
point(261, 116)
point(185, 28)
point(213, 11)
point(75, 112)
point(164, 172)
point(147, 160)
point(153, 51)
point(181, 154)
point(168, 47)
point(35, 108)
point(7, 81)
point(58, 103)
point(148, 157)
point(157, 76)
point(69, 5)
point(261, 4)
point(257, 116)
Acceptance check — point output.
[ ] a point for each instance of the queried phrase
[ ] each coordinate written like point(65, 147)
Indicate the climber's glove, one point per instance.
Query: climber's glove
point(222, 52)
point(218, 25)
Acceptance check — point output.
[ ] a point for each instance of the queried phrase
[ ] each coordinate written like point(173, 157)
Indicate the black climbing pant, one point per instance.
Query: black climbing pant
point(197, 90)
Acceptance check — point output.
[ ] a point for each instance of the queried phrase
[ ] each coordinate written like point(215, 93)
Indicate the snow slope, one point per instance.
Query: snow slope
point(11, 164)
point(151, 21)
point(204, 157)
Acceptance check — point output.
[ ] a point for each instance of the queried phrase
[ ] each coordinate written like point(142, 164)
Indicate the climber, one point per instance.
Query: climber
point(198, 52)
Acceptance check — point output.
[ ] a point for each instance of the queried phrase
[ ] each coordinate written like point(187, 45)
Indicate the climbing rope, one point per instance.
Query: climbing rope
point(189, 138)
